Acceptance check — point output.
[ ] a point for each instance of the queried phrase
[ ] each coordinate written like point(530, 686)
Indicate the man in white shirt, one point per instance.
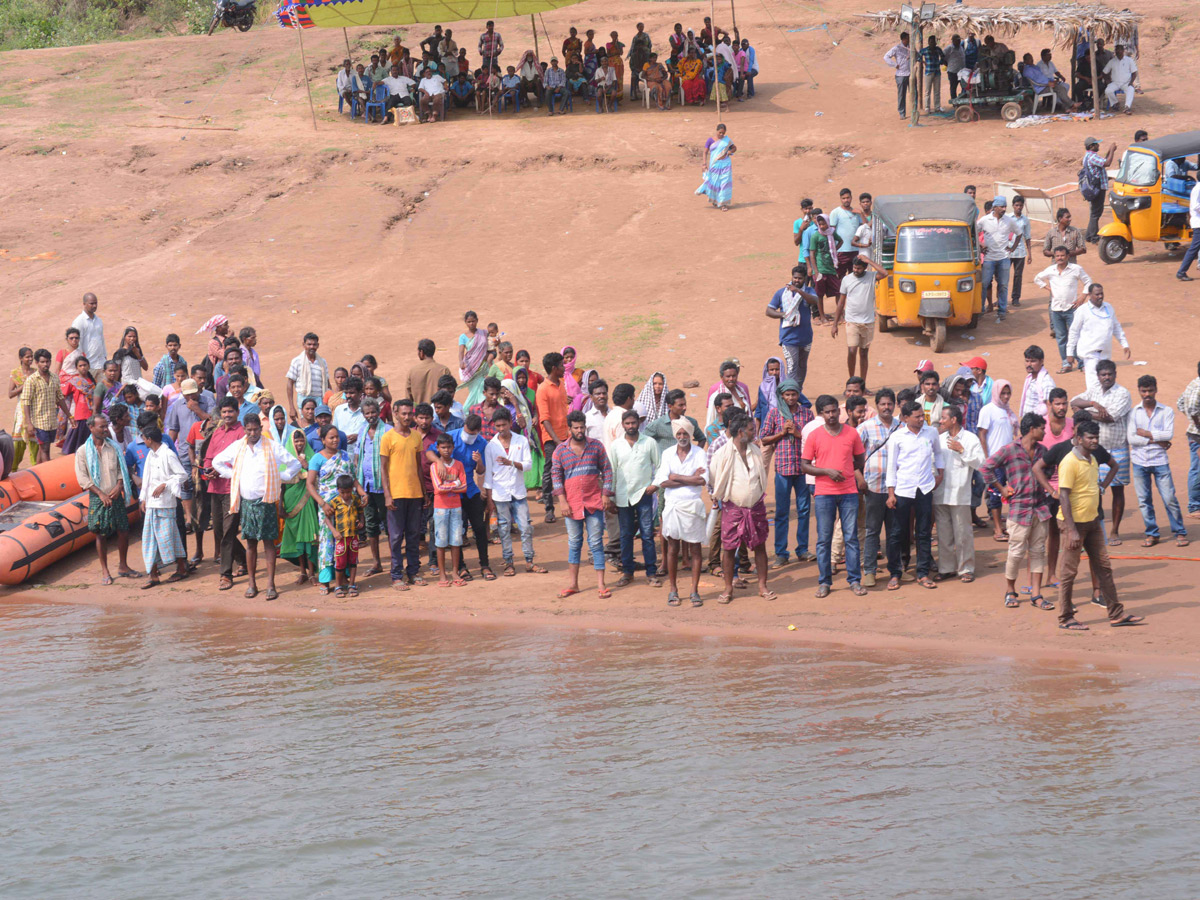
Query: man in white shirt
point(856, 304)
point(963, 454)
point(900, 59)
point(998, 233)
point(1092, 333)
point(432, 90)
point(349, 418)
point(1038, 384)
point(598, 411)
point(400, 89)
point(604, 81)
point(163, 477)
point(1151, 430)
point(345, 84)
point(506, 459)
point(91, 333)
point(1064, 280)
point(915, 466)
point(1120, 71)
point(257, 469)
point(1189, 257)
point(622, 398)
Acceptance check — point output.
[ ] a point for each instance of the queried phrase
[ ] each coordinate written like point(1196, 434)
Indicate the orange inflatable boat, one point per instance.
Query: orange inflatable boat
point(36, 533)
point(53, 480)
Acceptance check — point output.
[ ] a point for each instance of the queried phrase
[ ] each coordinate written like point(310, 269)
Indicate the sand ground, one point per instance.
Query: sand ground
point(580, 230)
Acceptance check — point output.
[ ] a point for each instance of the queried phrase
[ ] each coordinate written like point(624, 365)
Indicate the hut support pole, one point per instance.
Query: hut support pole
point(1095, 76)
point(304, 65)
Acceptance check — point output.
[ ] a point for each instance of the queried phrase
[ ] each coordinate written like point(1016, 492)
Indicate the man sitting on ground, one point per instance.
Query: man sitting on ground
point(462, 92)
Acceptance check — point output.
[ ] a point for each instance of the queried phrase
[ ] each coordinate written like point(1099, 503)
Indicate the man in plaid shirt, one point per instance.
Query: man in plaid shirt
point(874, 433)
point(1189, 405)
point(781, 430)
point(1109, 404)
point(933, 60)
point(42, 398)
point(1028, 509)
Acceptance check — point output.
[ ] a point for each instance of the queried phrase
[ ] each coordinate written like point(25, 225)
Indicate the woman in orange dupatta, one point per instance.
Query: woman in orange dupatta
point(615, 49)
point(691, 76)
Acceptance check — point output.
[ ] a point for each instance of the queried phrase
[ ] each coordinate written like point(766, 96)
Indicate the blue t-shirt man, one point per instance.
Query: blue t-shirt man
point(136, 453)
point(799, 334)
point(845, 222)
point(463, 453)
point(808, 231)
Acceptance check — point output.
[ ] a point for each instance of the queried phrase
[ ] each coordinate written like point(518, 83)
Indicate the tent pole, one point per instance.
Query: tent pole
point(533, 25)
point(733, 15)
point(716, 68)
point(1095, 76)
point(307, 86)
point(349, 55)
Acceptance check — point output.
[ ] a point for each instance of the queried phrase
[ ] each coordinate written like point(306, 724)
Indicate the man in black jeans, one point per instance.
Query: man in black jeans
point(468, 450)
point(914, 470)
point(1096, 166)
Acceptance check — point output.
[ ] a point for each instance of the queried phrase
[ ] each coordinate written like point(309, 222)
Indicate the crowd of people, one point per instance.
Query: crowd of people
point(691, 69)
point(991, 64)
point(340, 461)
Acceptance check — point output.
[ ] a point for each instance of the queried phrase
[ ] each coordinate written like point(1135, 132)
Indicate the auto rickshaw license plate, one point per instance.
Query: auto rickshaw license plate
point(936, 295)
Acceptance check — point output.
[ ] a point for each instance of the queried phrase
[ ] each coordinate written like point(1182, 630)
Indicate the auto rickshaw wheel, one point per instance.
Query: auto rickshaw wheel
point(1010, 111)
point(885, 324)
point(964, 113)
point(974, 323)
point(938, 340)
point(1113, 249)
point(1172, 246)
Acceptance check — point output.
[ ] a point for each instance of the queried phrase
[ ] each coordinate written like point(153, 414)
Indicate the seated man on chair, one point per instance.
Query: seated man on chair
point(400, 88)
point(510, 87)
point(605, 83)
point(1121, 72)
point(577, 84)
point(345, 83)
point(432, 90)
point(554, 81)
point(361, 85)
point(1041, 82)
point(462, 92)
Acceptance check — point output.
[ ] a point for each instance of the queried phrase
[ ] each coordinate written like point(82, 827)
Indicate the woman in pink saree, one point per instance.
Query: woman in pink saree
point(472, 359)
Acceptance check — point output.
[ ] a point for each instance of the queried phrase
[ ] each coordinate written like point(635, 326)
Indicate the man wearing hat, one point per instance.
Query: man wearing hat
point(998, 233)
point(925, 365)
point(324, 416)
point(1095, 176)
point(194, 405)
point(981, 381)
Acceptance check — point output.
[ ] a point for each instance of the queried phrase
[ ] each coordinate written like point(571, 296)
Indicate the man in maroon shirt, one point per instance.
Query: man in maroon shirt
point(225, 523)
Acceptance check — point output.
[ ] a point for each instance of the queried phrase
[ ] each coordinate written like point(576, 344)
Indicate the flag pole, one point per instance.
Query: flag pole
point(307, 86)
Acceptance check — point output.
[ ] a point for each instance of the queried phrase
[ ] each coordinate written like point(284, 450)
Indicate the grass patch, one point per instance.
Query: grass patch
point(632, 335)
point(11, 101)
point(749, 257)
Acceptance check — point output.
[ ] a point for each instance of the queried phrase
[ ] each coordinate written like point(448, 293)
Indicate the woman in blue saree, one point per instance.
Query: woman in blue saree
point(718, 173)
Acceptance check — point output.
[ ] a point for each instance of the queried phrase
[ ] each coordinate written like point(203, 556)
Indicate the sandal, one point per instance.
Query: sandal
point(625, 580)
point(487, 573)
point(725, 598)
point(654, 581)
point(770, 594)
point(1072, 625)
point(340, 593)
point(927, 582)
point(509, 570)
point(458, 582)
point(673, 599)
point(1127, 620)
point(353, 591)
point(107, 579)
point(604, 593)
point(420, 582)
point(1150, 542)
point(696, 600)
point(1181, 542)
point(1114, 542)
point(323, 589)
point(150, 584)
point(823, 591)
point(1039, 602)
point(893, 584)
point(740, 582)
point(567, 592)
point(534, 567)
point(223, 585)
point(858, 590)
point(967, 579)
point(176, 577)
point(1012, 600)
point(444, 583)
point(272, 594)
point(465, 575)
point(397, 585)
point(251, 593)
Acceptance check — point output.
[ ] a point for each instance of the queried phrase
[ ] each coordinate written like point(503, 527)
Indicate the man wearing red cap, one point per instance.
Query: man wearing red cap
point(982, 381)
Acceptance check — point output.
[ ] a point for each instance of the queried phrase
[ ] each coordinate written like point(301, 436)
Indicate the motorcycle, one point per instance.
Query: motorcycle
point(232, 14)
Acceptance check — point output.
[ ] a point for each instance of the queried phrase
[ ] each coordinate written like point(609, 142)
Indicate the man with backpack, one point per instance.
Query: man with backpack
point(1093, 183)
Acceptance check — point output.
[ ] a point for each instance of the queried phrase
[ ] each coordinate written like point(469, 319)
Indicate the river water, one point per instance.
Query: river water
point(157, 755)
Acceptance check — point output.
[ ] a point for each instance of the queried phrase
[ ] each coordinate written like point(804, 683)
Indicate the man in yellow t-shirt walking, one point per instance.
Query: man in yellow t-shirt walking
point(1083, 531)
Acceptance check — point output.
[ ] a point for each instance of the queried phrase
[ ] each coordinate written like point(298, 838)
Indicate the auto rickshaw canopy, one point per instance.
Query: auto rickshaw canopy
point(895, 209)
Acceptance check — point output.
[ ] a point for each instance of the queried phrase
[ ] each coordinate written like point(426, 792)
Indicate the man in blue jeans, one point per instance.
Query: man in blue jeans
point(998, 234)
point(582, 479)
point(782, 430)
point(634, 459)
point(1151, 429)
point(832, 454)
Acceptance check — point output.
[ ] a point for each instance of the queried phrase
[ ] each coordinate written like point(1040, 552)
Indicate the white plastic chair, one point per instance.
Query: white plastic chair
point(1051, 94)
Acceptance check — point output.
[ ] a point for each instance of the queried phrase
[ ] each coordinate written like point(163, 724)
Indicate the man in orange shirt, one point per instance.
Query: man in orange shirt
point(552, 418)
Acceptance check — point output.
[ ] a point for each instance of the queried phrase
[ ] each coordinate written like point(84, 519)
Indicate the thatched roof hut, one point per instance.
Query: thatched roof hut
point(1063, 19)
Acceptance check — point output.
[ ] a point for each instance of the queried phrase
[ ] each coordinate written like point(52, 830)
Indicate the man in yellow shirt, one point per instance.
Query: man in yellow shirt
point(1083, 531)
point(403, 495)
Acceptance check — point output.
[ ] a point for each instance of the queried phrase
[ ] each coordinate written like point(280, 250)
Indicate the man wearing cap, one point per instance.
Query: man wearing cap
point(925, 365)
point(197, 405)
point(998, 234)
point(324, 416)
point(1095, 171)
point(981, 381)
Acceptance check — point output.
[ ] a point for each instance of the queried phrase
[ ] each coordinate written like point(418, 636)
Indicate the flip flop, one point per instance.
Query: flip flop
point(1072, 625)
point(1149, 542)
point(1181, 542)
point(150, 584)
point(107, 579)
point(604, 593)
point(567, 592)
point(272, 594)
point(725, 598)
point(533, 567)
point(251, 593)
point(927, 583)
point(175, 577)
point(1127, 620)
point(1039, 602)
point(893, 584)
point(768, 595)
point(673, 599)
point(696, 600)
point(1115, 542)
point(967, 579)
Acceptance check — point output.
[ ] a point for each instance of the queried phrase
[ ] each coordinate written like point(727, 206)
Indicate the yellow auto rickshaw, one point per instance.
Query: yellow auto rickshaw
point(1149, 196)
point(928, 244)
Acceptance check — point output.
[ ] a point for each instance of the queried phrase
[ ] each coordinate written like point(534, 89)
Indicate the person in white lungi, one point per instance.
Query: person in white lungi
point(681, 477)
point(163, 477)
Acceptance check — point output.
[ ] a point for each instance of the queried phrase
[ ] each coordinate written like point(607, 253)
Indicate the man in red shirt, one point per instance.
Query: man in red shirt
point(582, 476)
point(552, 407)
point(831, 454)
point(225, 523)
